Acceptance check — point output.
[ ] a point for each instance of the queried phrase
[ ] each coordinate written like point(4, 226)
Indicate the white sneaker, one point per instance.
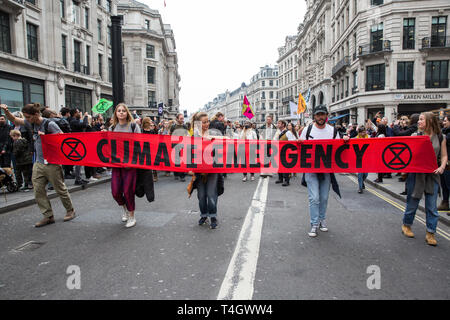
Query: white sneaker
point(93, 179)
point(125, 214)
point(131, 222)
point(252, 178)
point(323, 226)
point(244, 179)
point(313, 232)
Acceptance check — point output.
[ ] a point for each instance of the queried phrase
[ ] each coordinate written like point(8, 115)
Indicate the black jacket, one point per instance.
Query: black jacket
point(77, 126)
point(144, 184)
point(21, 151)
point(404, 133)
point(5, 139)
point(216, 124)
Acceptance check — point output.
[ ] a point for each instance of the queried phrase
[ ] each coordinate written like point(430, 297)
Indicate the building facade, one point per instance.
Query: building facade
point(261, 93)
point(389, 56)
point(288, 77)
point(57, 53)
point(150, 61)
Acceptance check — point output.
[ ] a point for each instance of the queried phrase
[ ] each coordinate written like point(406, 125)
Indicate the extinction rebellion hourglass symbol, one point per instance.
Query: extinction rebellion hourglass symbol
point(73, 149)
point(397, 156)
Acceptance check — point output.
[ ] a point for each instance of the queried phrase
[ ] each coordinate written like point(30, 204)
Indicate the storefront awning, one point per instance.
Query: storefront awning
point(338, 117)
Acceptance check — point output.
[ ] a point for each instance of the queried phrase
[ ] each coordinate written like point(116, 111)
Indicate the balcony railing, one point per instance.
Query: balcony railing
point(17, 4)
point(77, 67)
point(341, 65)
point(354, 90)
point(375, 86)
point(374, 47)
point(287, 99)
point(435, 42)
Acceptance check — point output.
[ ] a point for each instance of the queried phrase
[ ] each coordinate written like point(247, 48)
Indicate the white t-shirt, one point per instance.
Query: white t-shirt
point(319, 134)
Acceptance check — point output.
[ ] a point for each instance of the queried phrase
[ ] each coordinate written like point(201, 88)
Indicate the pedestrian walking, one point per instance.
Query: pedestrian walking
point(318, 184)
point(445, 177)
point(5, 143)
point(418, 184)
point(248, 134)
point(283, 178)
point(43, 172)
point(362, 134)
point(209, 185)
point(181, 130)
point(123, 180)
point(381, 133)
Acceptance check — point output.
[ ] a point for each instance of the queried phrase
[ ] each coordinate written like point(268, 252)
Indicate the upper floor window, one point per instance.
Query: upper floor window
point(438, 31)
point(31, 1)
point(150, 51)
point(147, 24)
point(409, 26)
point(375, 79)
point(108, 6)
point(62, 7)
point(32, 41)
point(376, 2)
point(5, 35)
point(86, 18)
point(76, 11)
point(151, 75)
point(436, 75)
point(405, 75)
point(376, 37)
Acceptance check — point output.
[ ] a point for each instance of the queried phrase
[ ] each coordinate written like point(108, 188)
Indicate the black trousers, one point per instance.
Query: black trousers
point(283, 176)
point(26, 171)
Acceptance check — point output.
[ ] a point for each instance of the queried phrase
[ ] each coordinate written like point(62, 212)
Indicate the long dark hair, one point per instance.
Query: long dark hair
point(381, 130)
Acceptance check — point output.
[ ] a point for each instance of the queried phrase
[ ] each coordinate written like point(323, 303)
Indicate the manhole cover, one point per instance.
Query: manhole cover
point(275, 204)
point(29, 246)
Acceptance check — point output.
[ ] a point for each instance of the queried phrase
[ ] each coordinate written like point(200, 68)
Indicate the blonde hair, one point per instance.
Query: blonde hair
point(15, 133)
point(115, 120)
point(146, 122)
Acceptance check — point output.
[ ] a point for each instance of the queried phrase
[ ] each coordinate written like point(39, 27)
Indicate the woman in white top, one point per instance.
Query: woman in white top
point(248, 134)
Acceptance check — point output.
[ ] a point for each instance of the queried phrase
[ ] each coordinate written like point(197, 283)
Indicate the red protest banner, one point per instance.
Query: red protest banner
point(170, 153)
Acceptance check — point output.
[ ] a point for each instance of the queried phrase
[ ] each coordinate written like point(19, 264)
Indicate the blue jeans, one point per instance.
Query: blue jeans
point(207, 195)
point(361, 178)
point(318, 191)
point(432, 215)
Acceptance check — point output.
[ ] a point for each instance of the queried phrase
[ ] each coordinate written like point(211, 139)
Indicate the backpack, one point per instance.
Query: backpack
point(62, 123)
point(308, 132)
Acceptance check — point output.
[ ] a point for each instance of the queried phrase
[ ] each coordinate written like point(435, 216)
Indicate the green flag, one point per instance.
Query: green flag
point(102, 106)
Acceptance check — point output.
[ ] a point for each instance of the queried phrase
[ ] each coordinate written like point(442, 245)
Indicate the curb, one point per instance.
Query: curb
point(51, 195)
point(442, 218)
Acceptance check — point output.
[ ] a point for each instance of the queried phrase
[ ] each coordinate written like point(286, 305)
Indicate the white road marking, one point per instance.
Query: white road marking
point(240, 276)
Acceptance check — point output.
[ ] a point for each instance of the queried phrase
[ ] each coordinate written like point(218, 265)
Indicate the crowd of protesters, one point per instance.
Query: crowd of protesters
point(21, 148)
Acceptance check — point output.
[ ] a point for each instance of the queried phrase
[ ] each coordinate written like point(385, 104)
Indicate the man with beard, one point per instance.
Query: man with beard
point(318, 184)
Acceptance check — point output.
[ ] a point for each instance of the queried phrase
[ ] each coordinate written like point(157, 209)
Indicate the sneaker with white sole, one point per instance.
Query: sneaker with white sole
point(244, 179)
point(313, 232)
point(323, 226)
point(93, 179)
point(131, 222)
point(252, 178)
point(125, 214)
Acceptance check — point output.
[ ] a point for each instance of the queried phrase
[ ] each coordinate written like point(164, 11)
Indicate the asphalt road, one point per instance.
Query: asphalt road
point(168, 256)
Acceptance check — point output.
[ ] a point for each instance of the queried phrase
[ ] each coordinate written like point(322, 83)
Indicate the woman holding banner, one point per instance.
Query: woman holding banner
point(209, 185)
point(123, 180)
point(419, 183)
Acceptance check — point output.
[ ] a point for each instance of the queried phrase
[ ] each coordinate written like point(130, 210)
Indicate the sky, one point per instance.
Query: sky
point(222, 43)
